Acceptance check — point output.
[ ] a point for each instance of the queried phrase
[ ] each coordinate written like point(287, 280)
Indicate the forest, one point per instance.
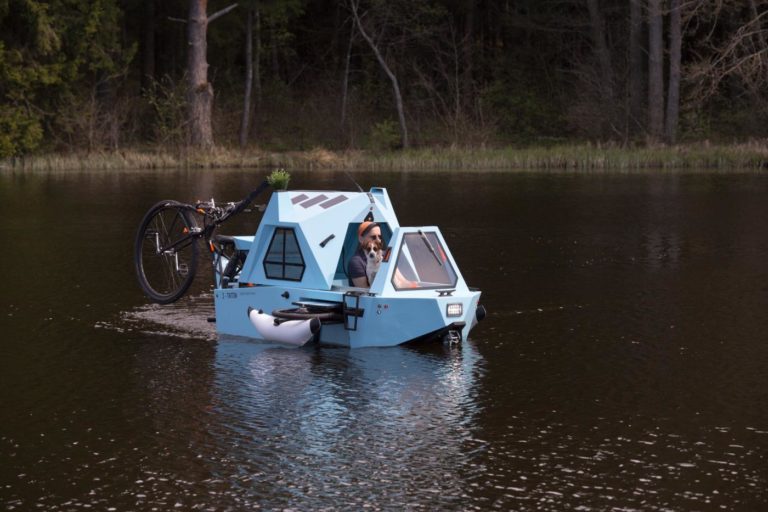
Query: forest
point(106, 75)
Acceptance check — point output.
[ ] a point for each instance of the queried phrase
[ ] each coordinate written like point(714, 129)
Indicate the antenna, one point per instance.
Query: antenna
point(359, 188)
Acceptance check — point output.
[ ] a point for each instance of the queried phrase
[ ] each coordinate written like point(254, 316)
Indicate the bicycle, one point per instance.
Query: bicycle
point(166, 248)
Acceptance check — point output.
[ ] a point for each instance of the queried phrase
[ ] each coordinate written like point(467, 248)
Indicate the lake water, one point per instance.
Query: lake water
point(622, 365)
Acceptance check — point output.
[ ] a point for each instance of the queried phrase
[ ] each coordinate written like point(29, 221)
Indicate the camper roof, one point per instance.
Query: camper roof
point(324, 224)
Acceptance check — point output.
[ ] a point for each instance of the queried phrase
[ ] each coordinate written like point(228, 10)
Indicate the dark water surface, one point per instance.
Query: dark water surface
point(623, 365)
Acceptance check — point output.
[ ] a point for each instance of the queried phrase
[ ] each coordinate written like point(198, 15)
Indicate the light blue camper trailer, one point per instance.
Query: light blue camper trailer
point(291, 284)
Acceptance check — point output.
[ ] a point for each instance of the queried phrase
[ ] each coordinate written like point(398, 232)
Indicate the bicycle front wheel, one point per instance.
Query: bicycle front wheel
point(165, 252)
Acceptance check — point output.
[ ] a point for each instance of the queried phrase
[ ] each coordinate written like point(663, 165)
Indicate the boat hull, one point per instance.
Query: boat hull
point(378, 321)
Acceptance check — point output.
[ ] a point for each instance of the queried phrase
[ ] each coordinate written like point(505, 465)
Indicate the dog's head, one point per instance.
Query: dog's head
point(372, 250)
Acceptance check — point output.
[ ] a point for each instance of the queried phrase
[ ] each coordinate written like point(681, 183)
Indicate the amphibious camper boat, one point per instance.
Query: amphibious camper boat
point(289, 282)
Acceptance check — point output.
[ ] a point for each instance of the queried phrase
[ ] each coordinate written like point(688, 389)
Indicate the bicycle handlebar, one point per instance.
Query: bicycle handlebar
point(220, 214)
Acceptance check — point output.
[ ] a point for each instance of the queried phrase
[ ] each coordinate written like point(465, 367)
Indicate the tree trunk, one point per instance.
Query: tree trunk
point(655, 72)
point(257, 64)
point(762, 46)
point(200, 93)
point(601, 51)
point(635, 65)
point(245, 121)
point(275, 44)
point(345, 81)
point(388, 71)
point(148, 45)
point(673, 91)
point(468, 51)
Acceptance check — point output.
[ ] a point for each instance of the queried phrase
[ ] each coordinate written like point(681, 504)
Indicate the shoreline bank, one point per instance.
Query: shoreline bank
point(566, 157)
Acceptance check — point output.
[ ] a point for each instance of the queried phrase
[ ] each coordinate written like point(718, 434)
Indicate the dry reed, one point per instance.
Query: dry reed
point(566, 157)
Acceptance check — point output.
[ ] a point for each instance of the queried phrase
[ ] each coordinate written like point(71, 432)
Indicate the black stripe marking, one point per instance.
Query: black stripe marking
point(299, 198)
point(333, 202)
point(314, 201)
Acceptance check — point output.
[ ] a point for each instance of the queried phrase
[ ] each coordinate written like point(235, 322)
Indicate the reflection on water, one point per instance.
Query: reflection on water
point(253, 424)
point(621, 367)
point(371, 427)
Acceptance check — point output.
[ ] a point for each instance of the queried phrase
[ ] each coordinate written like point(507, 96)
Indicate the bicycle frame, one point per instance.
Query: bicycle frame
point(165, 280)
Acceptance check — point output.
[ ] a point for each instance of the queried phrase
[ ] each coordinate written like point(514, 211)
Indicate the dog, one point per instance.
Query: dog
point(373, 257)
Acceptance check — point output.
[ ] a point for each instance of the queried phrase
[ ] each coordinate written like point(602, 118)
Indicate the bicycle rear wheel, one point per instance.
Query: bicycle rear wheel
point(165, 254)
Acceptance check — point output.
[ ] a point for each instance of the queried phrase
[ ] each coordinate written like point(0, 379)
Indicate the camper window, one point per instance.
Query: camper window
point(422, 263)
point(284, 260)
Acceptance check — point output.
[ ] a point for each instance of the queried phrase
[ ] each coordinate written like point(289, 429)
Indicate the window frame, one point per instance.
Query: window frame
point(444, 250)
point(283, 263)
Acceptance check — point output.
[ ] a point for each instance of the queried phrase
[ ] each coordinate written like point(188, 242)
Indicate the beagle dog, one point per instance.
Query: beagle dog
point(373, 257)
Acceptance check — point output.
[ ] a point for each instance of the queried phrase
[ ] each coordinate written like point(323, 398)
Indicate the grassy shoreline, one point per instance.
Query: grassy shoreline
point(565, 157)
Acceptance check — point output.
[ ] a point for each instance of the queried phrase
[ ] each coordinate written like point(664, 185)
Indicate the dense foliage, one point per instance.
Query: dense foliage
point(106, 74)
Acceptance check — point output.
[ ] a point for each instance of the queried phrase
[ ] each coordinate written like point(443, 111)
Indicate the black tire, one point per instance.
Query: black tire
point(166, 277)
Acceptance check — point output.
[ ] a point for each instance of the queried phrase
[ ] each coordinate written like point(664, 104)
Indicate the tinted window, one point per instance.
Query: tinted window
point(422, 263)
point(284, 259)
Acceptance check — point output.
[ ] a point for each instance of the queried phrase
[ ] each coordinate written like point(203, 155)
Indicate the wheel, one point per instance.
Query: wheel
point(166, 274)
point(165, 254)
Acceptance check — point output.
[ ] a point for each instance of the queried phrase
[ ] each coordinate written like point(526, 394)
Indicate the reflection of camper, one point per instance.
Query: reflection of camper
point(293, 285)
point(333, 414)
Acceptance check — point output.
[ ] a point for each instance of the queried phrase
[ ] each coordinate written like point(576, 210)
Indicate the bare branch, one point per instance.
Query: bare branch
point(743, 55)
point(219, 14)
point(354, 4)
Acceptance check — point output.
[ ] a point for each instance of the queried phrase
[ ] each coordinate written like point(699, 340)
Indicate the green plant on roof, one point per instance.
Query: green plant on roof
point(279, 179)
